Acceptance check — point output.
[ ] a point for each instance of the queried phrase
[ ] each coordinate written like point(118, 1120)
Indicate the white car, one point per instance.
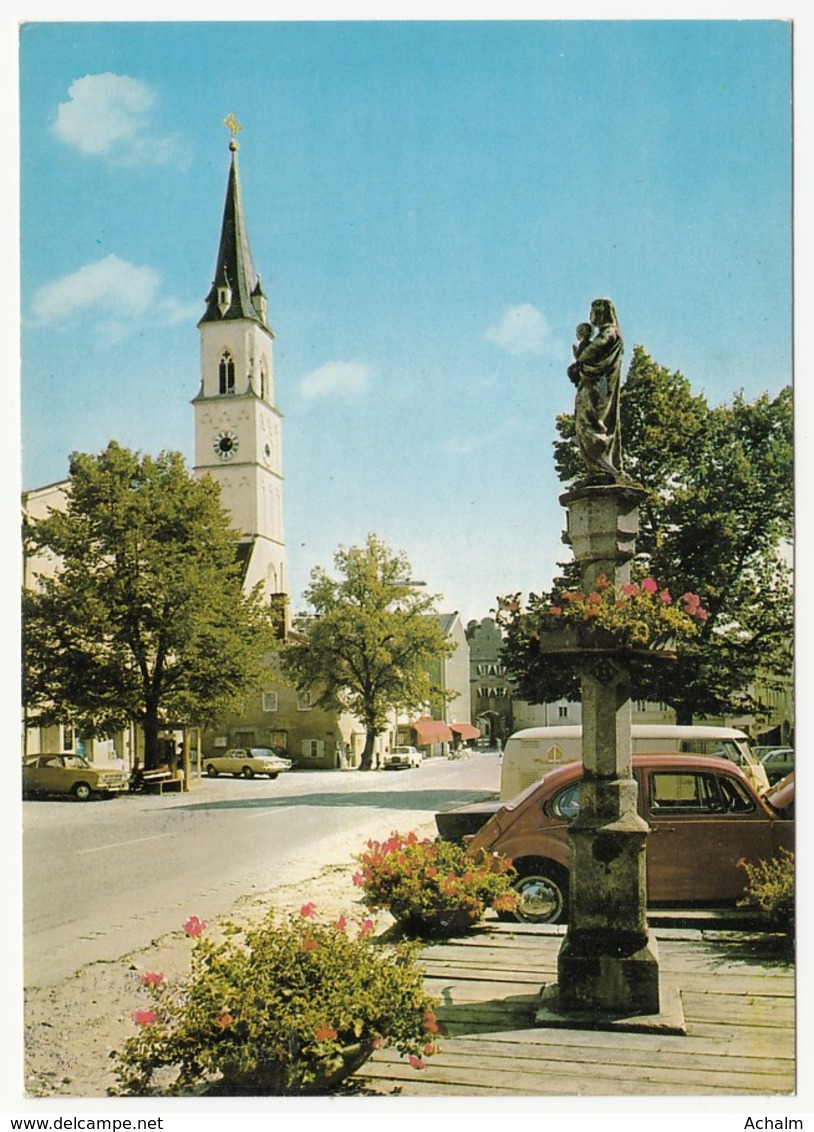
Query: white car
point(401, 757)
point(246, 762)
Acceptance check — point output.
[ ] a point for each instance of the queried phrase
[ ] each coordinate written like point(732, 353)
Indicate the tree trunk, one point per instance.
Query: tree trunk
point(150, 728)
point(367, 754)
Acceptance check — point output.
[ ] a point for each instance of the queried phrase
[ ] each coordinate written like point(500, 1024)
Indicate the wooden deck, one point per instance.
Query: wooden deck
point(737, 993)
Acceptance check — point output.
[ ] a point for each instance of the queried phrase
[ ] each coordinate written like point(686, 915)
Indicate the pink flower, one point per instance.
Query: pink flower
point(193, 927)
point(366, 928)
point(429, 1049)
point(144, 1017)
point(691, 602)
point(416, 1062)
point(358, 880)
point(701, 614)
point(649, 585)
point(309, 945)
point(151, 979)
point(665, 597)
point(309, 910)
point(325, 1033)
point(630, 589)
point(341, 924)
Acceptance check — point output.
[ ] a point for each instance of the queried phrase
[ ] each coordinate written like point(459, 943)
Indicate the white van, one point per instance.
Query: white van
point(531, 753)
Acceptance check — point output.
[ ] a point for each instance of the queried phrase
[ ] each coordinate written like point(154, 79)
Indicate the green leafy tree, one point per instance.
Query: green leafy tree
point(145, 619)
point(716, 522)
point(367, 639)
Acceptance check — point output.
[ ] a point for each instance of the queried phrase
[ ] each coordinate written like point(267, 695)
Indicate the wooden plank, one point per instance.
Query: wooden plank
point(744, 1010)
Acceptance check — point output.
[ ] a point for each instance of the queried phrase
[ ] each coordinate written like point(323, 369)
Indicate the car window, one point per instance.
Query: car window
point(696, 793)
point(566, 803)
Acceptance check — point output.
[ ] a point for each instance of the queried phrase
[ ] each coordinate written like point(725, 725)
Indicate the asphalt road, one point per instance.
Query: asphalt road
point(104, 878)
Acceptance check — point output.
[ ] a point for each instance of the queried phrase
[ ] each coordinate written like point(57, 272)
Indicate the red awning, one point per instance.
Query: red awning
point(465, 730)
point(431, 731)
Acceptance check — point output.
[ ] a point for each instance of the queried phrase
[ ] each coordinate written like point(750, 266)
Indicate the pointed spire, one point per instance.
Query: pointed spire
point(235, 280)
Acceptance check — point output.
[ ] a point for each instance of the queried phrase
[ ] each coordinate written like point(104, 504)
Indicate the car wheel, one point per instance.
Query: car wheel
point(247, 772)
point(542, 892)
point(211, 771)
point(273, 776)
point(82, 792)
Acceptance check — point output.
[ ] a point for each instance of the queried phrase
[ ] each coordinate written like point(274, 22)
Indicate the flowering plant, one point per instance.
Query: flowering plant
point(281, 1008)
point(636, 613)
point(433, 888)
point(769, 890)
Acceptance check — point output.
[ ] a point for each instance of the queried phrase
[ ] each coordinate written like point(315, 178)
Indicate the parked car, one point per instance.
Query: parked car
point(778, 762)
point(70, 775)
point(400, 758)
point(704, 816)
point(246, 762)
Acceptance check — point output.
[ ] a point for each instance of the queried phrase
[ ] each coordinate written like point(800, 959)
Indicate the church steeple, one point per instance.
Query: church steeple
point(236, 290)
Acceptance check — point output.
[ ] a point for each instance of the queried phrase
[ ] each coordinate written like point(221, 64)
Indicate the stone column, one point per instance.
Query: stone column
point(608, 963)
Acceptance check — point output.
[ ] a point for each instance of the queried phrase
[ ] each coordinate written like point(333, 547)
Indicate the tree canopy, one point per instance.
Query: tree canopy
point(718, 522)
point(366, 641)
point(144, 619)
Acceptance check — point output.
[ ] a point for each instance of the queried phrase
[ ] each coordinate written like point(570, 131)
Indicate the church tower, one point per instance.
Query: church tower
point(238, 432)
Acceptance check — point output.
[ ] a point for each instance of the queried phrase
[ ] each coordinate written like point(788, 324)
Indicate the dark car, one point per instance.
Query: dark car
point(778, 762)
point(704, 817)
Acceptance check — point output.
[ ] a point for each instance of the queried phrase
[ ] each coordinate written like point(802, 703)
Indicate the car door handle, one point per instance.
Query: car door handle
point(662, 829)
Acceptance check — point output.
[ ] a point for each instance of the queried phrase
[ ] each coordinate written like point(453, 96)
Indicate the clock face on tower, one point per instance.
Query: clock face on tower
point(225, 444)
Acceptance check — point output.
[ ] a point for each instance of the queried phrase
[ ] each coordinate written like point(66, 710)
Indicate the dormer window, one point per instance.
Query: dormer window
point(226, 373)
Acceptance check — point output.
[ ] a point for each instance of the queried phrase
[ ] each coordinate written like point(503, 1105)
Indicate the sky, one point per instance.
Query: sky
point(432, 206)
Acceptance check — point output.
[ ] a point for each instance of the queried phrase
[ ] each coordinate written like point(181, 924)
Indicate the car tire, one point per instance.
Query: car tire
point(273, 776)
point(82, 792)
point(211, 771)
point(542, 892)
point(247, 772)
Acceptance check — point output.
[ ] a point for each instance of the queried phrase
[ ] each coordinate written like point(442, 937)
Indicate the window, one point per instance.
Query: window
point(270, 701)
point(697, 793)
point(226, 373)
point(566, 803)
point(304, 701)
point(313, 748)
point(68, 737)
point(562, 711)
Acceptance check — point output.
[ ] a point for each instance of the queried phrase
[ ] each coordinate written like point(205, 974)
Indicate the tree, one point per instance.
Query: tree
point(367, 638)
point(717, 522)
point(145, 619)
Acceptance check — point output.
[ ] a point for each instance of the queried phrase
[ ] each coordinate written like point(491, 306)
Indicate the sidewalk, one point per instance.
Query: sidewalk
point(737, 990)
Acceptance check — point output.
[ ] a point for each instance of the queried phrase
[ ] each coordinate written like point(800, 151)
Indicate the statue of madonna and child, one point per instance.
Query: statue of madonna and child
point(596, 372)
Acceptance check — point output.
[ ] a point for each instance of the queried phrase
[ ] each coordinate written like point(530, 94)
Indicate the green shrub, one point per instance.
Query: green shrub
point(770, 890)
point(281, 1008)
point(433, 888)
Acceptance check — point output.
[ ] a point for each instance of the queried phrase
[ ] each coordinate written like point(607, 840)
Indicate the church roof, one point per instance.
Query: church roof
point(234, 268)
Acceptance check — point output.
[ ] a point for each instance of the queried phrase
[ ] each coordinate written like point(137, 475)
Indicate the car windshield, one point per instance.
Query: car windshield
point(261, 753)
point(76, 762)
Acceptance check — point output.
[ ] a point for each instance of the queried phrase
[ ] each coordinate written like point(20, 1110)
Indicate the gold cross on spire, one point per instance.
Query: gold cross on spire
point(232, 125)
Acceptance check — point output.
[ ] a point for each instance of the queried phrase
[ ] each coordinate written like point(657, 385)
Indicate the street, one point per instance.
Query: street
point(104, 878)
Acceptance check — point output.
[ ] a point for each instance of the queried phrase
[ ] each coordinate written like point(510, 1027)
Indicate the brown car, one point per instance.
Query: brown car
point(704, 817)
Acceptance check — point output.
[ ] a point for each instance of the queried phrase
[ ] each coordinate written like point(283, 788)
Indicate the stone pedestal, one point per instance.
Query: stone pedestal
point(608, 964)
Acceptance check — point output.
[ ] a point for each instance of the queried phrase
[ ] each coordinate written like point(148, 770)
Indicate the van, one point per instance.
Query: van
point(533, 752)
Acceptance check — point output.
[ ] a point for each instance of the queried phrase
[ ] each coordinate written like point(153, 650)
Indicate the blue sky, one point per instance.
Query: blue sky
point(432, 207)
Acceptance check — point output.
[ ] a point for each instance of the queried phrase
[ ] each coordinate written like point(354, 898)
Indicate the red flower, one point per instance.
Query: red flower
point(429, 1049)
point(224, 1018)
point(341, 924)
point(416, 1062)
point(325, 1033)
point(144, 1017)
point(309, 910)
point(691, 602)
point(378, 1043)
point(555, 611)
point(193, 927)
point(309, 945)
point(151, 979)
point(602, 582)
point(366, 928)
point(430, 1022)
point(358, 880)
point(630, 589)
point(649, 585)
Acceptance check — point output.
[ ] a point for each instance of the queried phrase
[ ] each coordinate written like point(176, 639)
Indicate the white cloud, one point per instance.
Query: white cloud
point(342, 379)
point(110, 285)
point(108, 116)
point(521, 330)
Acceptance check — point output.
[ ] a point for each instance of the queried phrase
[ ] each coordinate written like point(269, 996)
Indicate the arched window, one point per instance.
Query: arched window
point(226, 373)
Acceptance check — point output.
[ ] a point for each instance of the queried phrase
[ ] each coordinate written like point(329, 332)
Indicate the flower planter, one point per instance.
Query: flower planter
point(274, 1081)
point(578, 641)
